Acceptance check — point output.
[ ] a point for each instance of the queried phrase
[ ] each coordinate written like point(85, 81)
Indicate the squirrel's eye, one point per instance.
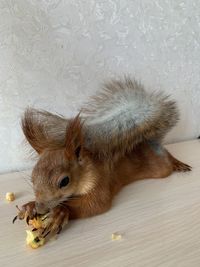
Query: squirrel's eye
point(64, 182)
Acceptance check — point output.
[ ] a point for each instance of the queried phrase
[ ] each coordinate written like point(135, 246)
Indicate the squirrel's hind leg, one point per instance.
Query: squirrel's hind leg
point(179, 166)
point(174, 164)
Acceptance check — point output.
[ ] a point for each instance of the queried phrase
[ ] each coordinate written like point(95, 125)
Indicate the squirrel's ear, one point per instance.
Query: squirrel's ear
point(74, 138)
point(35, 131)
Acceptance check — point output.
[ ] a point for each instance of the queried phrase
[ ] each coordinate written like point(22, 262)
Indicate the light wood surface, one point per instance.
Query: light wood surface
point(159, 221)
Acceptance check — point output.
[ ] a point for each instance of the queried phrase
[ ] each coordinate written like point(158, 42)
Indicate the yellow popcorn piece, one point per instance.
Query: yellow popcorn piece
point(10, 196)
point(36, 223)
point(116, 236)
point(33, 240)
point(41, 221)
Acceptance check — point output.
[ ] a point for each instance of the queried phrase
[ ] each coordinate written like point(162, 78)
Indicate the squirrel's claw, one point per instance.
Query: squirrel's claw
point(48, 230)
point(58, 218)
point(27, 219)
point(59, 230)
point(46, 234)
point(14, 219)
point(27, 212)
point(21, 215)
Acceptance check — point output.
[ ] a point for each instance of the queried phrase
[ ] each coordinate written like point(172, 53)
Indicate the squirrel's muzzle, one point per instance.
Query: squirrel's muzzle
point(41, 207)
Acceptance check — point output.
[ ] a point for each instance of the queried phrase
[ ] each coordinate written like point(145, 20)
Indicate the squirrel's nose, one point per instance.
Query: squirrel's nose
point(41, 207)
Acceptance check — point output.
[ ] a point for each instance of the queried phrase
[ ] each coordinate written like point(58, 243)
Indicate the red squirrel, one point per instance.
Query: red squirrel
point(85, 161)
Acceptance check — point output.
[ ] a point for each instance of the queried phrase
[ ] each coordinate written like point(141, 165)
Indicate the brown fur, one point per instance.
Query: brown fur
point(106, 147)
point(93, 182)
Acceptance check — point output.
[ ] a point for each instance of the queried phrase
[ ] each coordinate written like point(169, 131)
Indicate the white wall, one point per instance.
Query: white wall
point(53, 54)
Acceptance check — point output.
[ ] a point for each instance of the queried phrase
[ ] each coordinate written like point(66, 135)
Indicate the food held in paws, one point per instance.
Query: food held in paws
point(33, 240)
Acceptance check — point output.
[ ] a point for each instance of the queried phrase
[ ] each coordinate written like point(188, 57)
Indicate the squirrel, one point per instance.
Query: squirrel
point(115, 139)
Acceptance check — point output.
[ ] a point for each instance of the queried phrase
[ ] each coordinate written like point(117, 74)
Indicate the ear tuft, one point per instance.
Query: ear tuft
point(33, 130)
point(74, 137)
point(77, 151)
point(43, 129)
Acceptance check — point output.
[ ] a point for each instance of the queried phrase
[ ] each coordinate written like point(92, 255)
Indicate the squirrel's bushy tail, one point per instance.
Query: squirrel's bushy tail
point(114, 121)
point(124, 114)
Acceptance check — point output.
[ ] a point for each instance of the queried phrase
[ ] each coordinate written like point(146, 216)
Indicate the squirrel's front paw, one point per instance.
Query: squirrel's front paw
point(27, 211)
point(58, 217)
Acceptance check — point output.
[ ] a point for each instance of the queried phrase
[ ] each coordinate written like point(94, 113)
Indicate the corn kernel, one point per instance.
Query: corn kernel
point(33, 240)
point(36, 223)
point(116, 236)
point(10, 196)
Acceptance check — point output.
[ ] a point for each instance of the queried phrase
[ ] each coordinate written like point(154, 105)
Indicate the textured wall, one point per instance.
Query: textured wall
point(53, 54)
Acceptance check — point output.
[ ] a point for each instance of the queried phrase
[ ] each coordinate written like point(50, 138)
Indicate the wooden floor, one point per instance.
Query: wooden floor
point(159, 221)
